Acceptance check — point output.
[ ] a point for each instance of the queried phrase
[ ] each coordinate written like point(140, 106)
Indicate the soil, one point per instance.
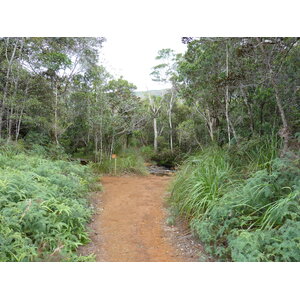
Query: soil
point(130, 224)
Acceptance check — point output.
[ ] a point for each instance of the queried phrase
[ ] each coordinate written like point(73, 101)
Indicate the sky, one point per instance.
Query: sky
point(134, 56)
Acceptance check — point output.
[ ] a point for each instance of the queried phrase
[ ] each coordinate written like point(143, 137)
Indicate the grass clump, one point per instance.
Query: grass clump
point(43, 209)
point(252, 219)
point(200, 183)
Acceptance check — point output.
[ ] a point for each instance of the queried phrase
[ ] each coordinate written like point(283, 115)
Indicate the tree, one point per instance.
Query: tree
point(59, 60)
point(166, 74)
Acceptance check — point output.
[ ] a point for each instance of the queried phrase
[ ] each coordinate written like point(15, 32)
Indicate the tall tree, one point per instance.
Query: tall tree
point(166, 73)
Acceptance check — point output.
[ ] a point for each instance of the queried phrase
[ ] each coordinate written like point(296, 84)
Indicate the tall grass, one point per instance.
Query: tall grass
point(256, 218)
point(255, 154)
point(127, 162)
point(200, 183)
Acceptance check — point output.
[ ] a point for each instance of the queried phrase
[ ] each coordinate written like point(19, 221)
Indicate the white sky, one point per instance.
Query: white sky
point(133, 57)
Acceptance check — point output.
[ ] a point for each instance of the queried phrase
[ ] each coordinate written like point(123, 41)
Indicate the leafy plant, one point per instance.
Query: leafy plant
point(43, 208)
point(255, 219)
point(129, 161)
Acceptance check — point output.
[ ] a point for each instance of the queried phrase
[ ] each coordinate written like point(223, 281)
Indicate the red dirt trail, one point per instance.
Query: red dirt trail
point(130, 225)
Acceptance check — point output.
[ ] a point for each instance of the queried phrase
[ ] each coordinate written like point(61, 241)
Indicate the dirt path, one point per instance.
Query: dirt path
point(130, 223)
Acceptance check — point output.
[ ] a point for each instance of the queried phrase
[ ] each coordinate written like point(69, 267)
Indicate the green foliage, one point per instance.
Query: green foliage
point(37, 138)
point(200, 183)
point(43, 209)
point(147, 152)
point(167, 158)
point(256, 153)
point(12, 148)
point(128, 162)
point(255, 219)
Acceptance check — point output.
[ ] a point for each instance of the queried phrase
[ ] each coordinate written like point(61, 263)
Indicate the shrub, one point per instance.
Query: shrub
point(167, 158)
point(128, 162)
point(200, 183)
point(147, 153)
point(256, 219)
point(254, 154)
point(43, 209)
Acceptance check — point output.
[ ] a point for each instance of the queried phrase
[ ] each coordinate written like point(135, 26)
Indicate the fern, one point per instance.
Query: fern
point(43, 211)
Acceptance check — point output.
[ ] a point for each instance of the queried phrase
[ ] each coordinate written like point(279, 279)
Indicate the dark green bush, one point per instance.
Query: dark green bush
point(167, 158)
point(147, 152)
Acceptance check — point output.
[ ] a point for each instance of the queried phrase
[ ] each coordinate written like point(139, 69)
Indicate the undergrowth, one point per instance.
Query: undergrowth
point(43, 208)
point(241, 219)
point(127, 162)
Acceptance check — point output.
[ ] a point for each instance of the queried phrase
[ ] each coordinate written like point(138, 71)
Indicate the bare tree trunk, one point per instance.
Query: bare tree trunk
point(56, 115)
point(249, 110)
point(284, 132)
point(101, 146)
point(112, 145)
point(233, 131)
point(227, 97)
point(154, 111)
point(18, 126)
point(101, 134)
point(5, 90)
point(170, 119)
point(261, 117)
point(209, 121)
point(155, 133)
point(88, 117)
point(18, 123)
point(10, 117)
point(210, 124)
point(96, 147)
point(9, 129)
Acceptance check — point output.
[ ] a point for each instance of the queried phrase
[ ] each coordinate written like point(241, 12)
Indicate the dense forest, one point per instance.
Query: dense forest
point(229, 125)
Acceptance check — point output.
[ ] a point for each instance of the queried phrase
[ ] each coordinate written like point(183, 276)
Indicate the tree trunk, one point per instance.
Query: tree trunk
point(56, 115)
point(154, 111)
point(170, 119)
point(233, 131)
point(88, 118)
point(155, 133)
point(227, 97)
point(9, 129)
point(96, 147)
point(262, 104)
point(18, 126)
point(249, 110)
point(101, 134)
point(210, 124)
point(284, 132)
point(112, 145)
point(18, 123)
point(10, 118)
point(5, 90)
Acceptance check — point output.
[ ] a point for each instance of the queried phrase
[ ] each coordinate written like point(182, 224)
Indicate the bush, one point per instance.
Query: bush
point(255, 154)
point(168, 158)
point(200, 183)
point(43, 212)
point(36, 138)
point(128, 162)
point(147, 153)
point(256, 219)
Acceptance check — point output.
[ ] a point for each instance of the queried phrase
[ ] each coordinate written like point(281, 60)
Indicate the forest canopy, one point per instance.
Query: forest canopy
point(223, 90)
